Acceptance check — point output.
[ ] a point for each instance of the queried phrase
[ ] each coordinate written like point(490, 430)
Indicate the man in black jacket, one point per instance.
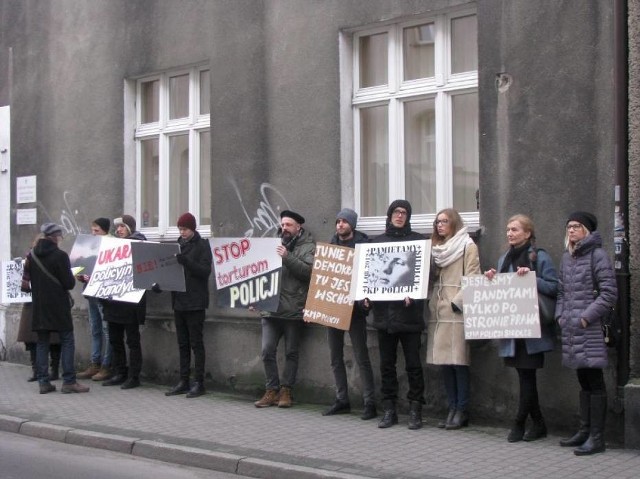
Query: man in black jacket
point(189, 306)
point(400, 322)
point(347, 235)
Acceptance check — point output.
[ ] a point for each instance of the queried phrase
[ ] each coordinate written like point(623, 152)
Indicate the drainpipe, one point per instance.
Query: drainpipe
point(621, 167)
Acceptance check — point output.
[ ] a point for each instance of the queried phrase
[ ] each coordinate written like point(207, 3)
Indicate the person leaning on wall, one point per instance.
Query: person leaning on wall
point(453, 255)
point(527, 355)
point(587, 292)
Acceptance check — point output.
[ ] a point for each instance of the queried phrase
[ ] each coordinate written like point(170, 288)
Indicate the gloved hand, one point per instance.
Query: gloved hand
point(155, 287)
point(181, 258)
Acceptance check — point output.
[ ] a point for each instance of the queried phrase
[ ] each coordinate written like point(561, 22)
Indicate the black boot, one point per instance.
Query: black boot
point(580, 437)
point(181, 388)
point(197, 389)
point(595, 441)
point(460, 419)
point(54, 352)
point(115, 380)
point(34, 368)
point(390, 416)
point(415, 415)
point(538, 428)
point(442, 424)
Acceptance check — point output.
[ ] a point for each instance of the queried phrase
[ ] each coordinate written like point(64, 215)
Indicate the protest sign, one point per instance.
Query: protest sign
point(391, 271)
point(11, 281)
point(157, 263)
point(329, 301)
point(85, 252)
point(247, 272)
point(505, 307)
point(112, 276)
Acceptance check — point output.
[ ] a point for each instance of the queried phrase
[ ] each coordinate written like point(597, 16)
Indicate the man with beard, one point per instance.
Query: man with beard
point(297, 250)
point(347, 235)
point(400, 322)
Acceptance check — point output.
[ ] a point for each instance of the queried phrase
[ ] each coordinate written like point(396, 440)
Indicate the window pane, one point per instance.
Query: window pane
point(205, 178)
point(420, 155)
point(374, 160)
point(464, 44)
point(205, 92)
point(150, 100)
point(373, 60)
point(466, 169)
point(418, 51)
point(178, 177)
point(149, 183)
point(179, 97)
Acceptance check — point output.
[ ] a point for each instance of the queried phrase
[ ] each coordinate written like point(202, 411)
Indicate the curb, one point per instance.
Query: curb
point(169, 453)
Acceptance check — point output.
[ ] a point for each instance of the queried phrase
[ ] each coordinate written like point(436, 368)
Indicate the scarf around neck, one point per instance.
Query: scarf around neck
point(451, 250)
point(516, 256)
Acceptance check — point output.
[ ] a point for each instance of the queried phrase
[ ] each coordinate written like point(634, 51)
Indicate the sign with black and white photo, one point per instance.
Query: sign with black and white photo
point(391, 271)
point(11, 281)
point(84, 252)
point(329, 300)
point(112, 276)
point(247, 272)
point(505, 307)
point(157, 263)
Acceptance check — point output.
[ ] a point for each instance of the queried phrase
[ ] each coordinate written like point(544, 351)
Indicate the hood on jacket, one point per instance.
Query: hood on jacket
point(44, 247)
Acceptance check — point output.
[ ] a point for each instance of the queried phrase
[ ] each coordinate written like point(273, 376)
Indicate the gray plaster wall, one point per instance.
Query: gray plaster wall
point(546, 145)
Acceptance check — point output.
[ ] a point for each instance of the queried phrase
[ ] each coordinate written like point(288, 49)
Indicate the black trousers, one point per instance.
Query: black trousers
point(591, 380)
point(117, 334)
point(388, 345)
point(189, 327)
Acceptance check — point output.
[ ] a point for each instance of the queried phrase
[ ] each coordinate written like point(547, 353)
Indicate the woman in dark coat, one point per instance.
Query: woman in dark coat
point(587, 292)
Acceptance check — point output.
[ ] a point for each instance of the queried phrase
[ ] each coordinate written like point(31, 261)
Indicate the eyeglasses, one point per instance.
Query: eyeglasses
point(575, 226)
point(442, 222)
point(399, 212)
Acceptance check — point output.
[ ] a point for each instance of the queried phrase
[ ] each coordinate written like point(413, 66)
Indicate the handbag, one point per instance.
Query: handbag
point(609, 322)
point(52, 277)
point(546, 309)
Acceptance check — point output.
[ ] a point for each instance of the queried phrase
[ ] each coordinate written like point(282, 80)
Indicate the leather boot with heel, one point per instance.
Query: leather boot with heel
point(460, 419)
point(595, 442)
point(580, 437)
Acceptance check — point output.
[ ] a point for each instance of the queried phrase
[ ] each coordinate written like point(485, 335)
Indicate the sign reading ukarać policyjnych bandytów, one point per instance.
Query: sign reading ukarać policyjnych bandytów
point(247, 272)
point(505, 307)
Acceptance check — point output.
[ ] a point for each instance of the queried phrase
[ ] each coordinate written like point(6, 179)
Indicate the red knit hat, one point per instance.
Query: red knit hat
point(187, 220)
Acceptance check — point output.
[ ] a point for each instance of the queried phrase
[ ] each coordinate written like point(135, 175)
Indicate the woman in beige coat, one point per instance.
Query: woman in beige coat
point(453, 255)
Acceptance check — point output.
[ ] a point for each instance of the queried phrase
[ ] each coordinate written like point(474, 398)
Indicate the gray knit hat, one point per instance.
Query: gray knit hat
point(349, 216)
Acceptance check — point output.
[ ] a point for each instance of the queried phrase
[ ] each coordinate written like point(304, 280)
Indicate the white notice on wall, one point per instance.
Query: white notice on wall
point(27, 216)
point(26, 189)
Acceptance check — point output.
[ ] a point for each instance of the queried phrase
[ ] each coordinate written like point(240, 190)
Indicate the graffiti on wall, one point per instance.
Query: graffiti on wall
point(266, 219)
point(69, 217)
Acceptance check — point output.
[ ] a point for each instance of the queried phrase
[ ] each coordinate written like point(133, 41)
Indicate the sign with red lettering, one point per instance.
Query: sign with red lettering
point(112, 276)
point(329, 302)
point(247, 272)
point(157, 263)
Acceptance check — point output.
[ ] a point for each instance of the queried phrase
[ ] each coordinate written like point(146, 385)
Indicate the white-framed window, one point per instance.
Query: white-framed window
point(414, 117)
point(172, 150)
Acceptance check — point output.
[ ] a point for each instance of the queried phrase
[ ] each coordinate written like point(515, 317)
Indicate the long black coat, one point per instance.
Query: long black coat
point(196, 258)
point(51, 304)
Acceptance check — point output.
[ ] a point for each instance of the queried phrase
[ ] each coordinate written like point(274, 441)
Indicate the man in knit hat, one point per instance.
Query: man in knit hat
point(347, 235)
point(400, 322)
point(189, 306)
point(297, 251)
point(125, 319)
point(100, 367)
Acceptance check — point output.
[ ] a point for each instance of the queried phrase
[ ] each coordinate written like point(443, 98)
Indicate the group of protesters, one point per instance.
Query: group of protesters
point(584, 290)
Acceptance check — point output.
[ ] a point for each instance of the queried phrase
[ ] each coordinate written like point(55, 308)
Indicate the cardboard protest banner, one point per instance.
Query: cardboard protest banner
point(11, 281)
point(84, 252)
point(391, 271)
point(247, 272)
point(329, 301)
point(505, 307)
point(157, 263)
point(112, 276)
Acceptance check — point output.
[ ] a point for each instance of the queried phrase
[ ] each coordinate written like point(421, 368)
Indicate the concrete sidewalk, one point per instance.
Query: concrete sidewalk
point(229, 434)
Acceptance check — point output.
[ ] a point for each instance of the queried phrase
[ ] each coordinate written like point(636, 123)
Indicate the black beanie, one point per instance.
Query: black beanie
point(399, 204)
point(103, 223)
point(586, 219)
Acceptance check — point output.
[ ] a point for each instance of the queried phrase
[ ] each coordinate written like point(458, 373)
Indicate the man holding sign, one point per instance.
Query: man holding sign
point(347, 235)
point(296, 250)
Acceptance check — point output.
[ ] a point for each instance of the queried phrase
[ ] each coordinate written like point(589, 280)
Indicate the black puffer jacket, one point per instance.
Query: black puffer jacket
point(196, 258)
point(51, 303)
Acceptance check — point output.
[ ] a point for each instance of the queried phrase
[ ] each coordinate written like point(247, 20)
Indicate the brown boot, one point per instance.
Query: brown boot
point(74, 388)
point(270, 398)
point(89, 372)
point(102, 375)
point(285, 397)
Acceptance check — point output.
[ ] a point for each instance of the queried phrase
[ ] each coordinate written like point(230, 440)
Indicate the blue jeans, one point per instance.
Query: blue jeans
point(358, 335)
point(67, 352)
point(272, 330)
point(99, 334)
point(456, 383)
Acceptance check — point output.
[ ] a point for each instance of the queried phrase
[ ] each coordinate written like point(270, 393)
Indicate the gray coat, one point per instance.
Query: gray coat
point(585, 347)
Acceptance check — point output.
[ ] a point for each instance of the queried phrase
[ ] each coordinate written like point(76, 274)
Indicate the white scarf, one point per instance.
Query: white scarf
point(448, 252)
